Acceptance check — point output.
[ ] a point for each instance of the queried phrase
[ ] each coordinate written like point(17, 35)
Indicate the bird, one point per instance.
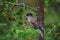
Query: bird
point(34, 22)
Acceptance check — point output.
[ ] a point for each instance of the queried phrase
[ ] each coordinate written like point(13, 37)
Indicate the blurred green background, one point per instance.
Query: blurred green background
point(14, 26)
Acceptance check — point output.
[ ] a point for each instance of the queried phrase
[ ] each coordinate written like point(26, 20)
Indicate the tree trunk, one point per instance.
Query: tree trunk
point(40, 16)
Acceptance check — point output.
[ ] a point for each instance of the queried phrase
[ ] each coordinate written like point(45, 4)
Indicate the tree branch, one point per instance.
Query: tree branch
point(19, 4)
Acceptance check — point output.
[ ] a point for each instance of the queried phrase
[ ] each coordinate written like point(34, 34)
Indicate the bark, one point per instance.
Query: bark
point(40, 16)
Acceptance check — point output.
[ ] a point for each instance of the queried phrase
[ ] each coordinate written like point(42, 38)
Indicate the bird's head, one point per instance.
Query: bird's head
point(29, 15)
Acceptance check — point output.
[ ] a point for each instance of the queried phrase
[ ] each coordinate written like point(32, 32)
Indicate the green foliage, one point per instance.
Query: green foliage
point(52, 32)
point(15, 33)
point(47, 2)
